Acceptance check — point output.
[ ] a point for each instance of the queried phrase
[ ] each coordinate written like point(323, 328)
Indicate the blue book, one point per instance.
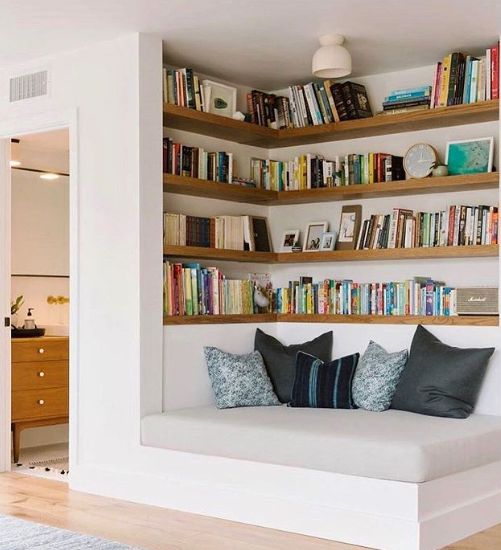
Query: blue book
point(467, 79)
point(409, 95)
point(411, 90)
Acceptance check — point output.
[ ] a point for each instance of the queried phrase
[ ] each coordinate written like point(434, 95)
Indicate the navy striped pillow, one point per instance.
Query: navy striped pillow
point(324, 385)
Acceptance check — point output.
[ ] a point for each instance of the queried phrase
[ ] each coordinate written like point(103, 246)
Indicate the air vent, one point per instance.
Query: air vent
point(27, 86)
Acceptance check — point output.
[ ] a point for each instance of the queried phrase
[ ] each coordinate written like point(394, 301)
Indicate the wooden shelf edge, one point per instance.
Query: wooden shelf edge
point(219, 319)
point(252, 134)
point(465, 320)
point(382, 254)
point(184, 185)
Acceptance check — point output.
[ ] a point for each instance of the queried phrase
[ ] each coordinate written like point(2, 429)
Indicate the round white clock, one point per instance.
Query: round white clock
point(420, 160)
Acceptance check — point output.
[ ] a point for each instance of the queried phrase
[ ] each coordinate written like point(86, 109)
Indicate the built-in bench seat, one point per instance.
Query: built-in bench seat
point(393, 445)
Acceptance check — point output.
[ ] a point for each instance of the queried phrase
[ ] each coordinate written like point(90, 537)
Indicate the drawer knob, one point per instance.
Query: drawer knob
point(41, 350)
point(41, 374)
point(41, 402)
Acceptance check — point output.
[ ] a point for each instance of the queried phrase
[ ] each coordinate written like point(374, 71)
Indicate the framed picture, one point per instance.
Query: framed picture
point(221, 99)
point(349, 227)
point(261, 234)
point(469, 156)
point(328, 241)
point(289, 238)
point(314, 231)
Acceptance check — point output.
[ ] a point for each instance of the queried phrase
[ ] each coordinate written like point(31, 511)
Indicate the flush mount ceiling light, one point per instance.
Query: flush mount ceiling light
point(49, 176)
point(331, 60)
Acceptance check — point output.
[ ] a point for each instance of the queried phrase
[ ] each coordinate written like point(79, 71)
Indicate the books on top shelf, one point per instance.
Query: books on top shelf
point(195, 162)
point(407, 100)
point(183, 88)
point(461, 78)
point(190, 289)
point(456, 226)
point(222, 232)
point(418, 296)
point(313, 171)
point(311, 104)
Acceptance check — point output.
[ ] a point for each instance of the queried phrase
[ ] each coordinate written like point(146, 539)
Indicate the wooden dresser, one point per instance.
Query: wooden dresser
point(39, 384)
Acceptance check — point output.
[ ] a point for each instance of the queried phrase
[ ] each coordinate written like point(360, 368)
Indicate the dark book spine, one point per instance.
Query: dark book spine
point(459, 89)
point(349, 100)
point(190, 89)
point(337, 94)
point(453, 76)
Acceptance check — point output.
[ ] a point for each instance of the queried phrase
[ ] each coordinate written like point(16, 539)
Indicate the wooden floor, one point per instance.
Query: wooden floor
point(52, 503)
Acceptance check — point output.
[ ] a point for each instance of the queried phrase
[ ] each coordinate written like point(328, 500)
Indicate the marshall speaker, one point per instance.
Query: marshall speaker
point(477, 301)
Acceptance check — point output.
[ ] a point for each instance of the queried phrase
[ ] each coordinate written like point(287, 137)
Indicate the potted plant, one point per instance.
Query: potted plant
point(439, 170)
point(14, 308)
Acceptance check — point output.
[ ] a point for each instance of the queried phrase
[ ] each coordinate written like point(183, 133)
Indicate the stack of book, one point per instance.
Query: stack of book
point(195, 162)
point(224, 232)
point(313, 171)
point(181, 87)
point(409, 99)
point(418, 296)
point(190, 289)
point(457, 226)
point(309, 105)
point(461, 78)
point(268, 110)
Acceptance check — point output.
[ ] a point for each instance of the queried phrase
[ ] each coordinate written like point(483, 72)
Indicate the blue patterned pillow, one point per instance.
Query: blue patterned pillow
point(324, 385)
point(239, 380)
point(377, 376)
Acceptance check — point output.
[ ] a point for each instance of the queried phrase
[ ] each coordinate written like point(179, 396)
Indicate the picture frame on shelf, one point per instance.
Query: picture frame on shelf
point(469, 156)
point(328, 241)
point(220, 99)
point(289, 238)
point(313, 236)
point(261, 234)
point(349, 227)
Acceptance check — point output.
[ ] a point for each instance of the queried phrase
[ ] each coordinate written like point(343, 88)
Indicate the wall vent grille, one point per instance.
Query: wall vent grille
point(27, 86)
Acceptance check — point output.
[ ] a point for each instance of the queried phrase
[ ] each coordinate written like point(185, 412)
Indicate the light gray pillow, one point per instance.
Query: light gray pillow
point(239, 380)
point(376, 377)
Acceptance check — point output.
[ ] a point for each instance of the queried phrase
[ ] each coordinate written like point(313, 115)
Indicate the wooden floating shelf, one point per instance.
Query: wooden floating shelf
point(218, 126)
point(382, 254)
point(237, 193)
point(219, 319)
point(466, 320)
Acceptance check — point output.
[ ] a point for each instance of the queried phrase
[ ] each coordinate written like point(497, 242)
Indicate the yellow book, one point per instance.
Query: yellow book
point(371, 167)
point(444, 81)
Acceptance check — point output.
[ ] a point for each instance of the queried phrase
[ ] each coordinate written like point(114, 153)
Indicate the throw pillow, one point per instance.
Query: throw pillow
point(324, 385)
point(441, 380)
point(280, 360)
point(376, 377)
point(239, 380)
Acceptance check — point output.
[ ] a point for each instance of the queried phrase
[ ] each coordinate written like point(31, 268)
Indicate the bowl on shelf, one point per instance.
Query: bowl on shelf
point(27, 332)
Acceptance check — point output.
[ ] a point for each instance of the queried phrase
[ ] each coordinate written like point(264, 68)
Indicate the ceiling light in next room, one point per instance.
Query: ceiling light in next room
point(15, 163)
point(331, 60)
point(49, 176)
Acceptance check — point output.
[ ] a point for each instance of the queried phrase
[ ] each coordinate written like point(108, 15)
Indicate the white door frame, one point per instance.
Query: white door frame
point(11, 127)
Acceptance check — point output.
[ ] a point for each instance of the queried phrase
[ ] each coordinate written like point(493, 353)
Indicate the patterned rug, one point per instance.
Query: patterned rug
point(18, 534)
point(50, 461)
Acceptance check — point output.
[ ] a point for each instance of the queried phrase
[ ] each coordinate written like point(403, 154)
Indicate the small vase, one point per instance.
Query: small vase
point(440, 171)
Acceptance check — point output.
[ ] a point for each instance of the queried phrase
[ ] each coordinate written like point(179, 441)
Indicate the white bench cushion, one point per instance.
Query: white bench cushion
point(393, 445)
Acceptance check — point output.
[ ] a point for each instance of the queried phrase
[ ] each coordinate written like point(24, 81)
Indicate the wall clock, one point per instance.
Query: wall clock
point(420, 160)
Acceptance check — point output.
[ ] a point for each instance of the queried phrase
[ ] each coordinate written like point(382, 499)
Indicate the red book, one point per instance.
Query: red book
point(452, 217)
point(495, 72)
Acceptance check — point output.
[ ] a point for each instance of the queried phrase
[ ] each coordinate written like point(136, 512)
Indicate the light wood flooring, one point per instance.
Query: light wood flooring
point(52, 503)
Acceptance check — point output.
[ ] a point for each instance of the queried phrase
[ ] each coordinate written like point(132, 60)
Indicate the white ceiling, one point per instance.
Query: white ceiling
point(262, 43)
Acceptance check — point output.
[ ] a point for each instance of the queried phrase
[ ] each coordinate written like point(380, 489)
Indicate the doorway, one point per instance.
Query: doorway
point(40, 298)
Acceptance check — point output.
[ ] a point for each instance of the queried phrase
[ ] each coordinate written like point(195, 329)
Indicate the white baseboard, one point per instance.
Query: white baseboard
point(425, 523)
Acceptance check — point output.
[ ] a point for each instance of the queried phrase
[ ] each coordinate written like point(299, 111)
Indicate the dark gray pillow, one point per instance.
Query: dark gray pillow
point(440, 380)
point(280, 360)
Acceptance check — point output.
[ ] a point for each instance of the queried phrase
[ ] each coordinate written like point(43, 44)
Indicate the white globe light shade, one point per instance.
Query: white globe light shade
point(331, 60)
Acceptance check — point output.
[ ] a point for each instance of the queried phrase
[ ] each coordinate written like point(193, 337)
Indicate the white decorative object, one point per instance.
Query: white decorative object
point(220, 99)
point(420, 160)
point(328, 241)
point(313, 236)
point(237, 115)
point(259, 298)
point(289, 238)
point(331, 60)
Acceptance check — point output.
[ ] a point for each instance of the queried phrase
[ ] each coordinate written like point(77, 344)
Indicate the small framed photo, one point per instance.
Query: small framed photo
point(314, 232)
point(469, 156)
point(328, 241)
point(349, 227)
point(221, 99)
point(289, 238)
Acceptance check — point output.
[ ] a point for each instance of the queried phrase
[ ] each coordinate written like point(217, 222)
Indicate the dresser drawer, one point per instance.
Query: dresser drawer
point(34, 375)
point(40, 350)
point(31, 404)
